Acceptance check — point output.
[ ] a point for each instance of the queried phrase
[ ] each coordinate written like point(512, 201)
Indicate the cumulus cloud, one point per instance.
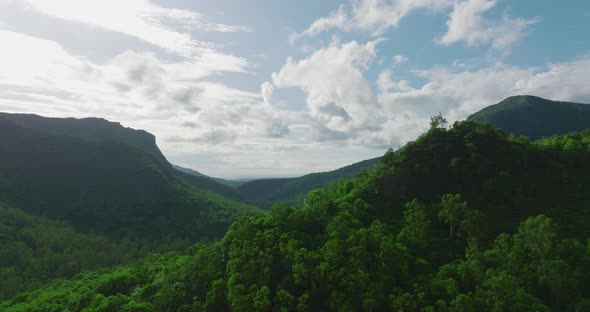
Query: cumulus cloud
point(561, 81)
point(344, 107)
point(338, 96)
point(385, 83)
point(458, 94)
point(455, 94)
point(373, 16)
point(468, 24)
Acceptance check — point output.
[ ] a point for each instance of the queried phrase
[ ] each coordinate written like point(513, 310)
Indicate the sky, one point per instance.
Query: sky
point(261, 88)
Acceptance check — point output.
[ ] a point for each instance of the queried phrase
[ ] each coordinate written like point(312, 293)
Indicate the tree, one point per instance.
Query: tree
point(438, 121)
point(216, 299)
point(452, 212)
point(416, 223)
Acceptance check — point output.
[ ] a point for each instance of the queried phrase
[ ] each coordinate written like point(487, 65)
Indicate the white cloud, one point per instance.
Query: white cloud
point(563, 81)
point(266, 91)
point(373, 16)
point(398, 59)
point(458, 94)
point(208, 124)
point(136, 88)
point(467, 23)
point(455, 94)
point(165, 28)
point(343, 107)
point(338, 96)
point(187, 115)
point(384, 83)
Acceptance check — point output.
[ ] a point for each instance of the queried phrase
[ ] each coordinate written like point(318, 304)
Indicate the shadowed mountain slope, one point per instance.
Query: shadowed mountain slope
point(535, 117)
point(266, 192)
point(106, 185)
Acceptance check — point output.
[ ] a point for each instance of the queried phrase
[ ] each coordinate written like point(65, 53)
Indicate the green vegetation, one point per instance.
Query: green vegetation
point(34, 250)
point(463, 219)
point(92, 129)
point(266, 192)
point(107, 187)
point(535, 117)
point(94, 194)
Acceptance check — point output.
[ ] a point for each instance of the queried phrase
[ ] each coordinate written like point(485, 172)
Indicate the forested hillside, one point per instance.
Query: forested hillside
point(93, 129)
point(107, 187)
point(463, 219)
point(266, 192)
point(535, 117)
point(84, 194)
point(35, 250)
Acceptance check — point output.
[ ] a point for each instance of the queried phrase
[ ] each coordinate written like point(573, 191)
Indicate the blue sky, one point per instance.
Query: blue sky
point(282, 88)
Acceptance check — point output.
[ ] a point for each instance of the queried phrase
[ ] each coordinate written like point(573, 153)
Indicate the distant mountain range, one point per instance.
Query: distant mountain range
point(530, 116)
point(265, 192)
point(268, 191)
point(87, 170)
point(535, 117)
point(231, 183)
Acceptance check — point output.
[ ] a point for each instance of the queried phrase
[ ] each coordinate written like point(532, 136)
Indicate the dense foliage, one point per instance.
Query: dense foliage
point(535, 117)
point(107, 187)
point(35, 250)
point(463, 219)
point(92, 129)
point(266, 192)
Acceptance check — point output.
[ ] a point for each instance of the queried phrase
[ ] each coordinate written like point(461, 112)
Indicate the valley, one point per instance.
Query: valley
point(466, 217)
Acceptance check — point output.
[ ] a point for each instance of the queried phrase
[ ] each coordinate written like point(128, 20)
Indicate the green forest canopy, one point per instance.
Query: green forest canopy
point(382, 241)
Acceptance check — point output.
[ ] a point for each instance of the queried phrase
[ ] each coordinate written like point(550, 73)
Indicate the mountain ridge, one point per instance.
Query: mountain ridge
point(266, 192)
point(89, 128)
point(535, 117)
point(108, 186)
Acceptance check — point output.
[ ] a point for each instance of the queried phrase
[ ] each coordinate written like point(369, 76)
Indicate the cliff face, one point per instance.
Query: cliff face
point(93, 129)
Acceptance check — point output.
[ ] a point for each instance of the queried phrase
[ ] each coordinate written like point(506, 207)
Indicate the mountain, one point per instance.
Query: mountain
point(464, 219)
point(206, 182)
point(120, 186)
point(101, 130)
point(535, 117)
point(230, 183)
point(266, 192)
point(92, 129)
